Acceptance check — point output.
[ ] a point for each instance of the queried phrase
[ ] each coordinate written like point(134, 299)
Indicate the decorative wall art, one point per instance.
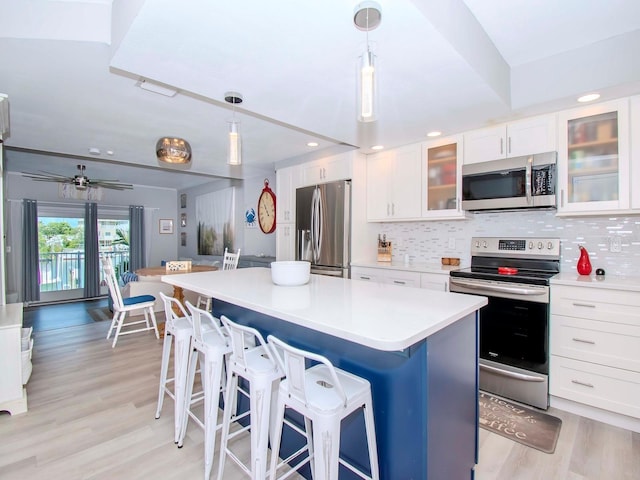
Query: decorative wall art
point(166, 225)
point(183, 220)
point(215, 217)
point(183, 200)
point(183, 239)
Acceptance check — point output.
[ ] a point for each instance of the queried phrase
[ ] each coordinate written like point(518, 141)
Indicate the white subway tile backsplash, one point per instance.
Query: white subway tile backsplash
point(429, 241)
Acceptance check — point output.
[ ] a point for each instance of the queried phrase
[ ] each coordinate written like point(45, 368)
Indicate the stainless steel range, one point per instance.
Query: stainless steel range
point(514, 274)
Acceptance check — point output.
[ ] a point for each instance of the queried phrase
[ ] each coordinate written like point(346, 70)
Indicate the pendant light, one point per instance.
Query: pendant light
point(367, 16)
point(234, 153)
point(173, 150)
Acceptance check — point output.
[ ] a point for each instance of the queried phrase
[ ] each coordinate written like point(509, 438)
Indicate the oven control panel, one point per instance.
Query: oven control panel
point(515, 247)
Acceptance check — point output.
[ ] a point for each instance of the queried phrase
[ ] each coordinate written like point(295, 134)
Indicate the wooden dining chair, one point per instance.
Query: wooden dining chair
point(229, 262)
point(123, 306)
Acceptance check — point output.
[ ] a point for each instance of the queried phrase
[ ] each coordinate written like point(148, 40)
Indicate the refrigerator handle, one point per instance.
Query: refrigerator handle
point(320, 217)
point(314, 225)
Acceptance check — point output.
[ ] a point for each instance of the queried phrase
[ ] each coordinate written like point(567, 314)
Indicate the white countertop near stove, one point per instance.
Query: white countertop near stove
point(381, 316)
point(410, 267)
point(613, 282)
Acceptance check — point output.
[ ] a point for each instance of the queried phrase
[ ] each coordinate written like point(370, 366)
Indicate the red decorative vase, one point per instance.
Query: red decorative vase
point(584, 264)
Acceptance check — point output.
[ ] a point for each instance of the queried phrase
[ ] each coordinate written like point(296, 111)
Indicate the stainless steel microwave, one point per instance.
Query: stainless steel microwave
point(510, 183)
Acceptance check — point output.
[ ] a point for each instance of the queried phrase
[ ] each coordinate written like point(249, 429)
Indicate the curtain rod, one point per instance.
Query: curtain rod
point(66, 204)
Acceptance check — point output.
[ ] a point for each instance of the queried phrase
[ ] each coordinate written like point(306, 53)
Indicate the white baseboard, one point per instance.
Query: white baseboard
point(604, 416)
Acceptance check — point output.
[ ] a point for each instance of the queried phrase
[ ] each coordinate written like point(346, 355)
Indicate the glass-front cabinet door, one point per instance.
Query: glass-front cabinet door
point(443, 178)
point(593, 158)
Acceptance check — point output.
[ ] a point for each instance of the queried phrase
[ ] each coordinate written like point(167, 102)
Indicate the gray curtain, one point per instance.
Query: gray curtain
point(136, 238)
point(91, 251)
point(30, 255)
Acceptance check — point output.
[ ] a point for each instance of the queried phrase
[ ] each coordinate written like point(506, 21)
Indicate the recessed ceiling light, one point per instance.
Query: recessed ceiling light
point(589, 97)
point(312, 144)
point(377, 147)
point(94, 151)
point(435, 133)
point(109, 152)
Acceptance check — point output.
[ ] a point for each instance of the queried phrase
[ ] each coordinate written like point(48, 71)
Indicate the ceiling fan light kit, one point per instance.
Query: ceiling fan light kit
point(234, 149)
point(367, 16)
point(173, 150)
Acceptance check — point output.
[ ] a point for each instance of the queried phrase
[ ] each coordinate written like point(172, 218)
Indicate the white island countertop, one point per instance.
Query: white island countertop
point(380, 316)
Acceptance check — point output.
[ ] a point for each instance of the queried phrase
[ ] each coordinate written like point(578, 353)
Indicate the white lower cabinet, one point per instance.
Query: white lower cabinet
point(15, 357)
point(595, 347)
point(404, 278)
point(435, 281)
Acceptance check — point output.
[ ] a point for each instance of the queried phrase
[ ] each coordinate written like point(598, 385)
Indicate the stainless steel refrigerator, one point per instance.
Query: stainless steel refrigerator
point(323, 227)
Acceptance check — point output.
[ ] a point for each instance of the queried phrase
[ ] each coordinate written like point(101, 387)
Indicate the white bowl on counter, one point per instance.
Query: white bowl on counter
point(290, 273)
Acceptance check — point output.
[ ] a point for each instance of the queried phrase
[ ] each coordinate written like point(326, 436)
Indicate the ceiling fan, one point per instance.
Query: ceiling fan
point(80, 181)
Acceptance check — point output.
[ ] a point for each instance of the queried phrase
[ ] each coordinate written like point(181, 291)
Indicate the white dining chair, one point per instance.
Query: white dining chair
point(123, 306)
point(229, 262)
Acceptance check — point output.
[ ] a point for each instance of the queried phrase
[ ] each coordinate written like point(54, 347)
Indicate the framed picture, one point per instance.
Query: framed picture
point(166, 225)
point(183, 200)
point(183, 220)
point(183, 239)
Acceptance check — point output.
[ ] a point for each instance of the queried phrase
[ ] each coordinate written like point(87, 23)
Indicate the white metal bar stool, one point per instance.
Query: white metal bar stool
point(254, 362)
point(178, 328)
point(209, 346)
point(325, 395)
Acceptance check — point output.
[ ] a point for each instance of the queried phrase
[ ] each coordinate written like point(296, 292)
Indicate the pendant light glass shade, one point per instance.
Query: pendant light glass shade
point(235, 147)
point(173, 150)
point(367, 16)
point(367, 88)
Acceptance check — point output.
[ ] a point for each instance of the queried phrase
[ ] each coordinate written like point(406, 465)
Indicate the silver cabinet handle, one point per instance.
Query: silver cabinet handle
point(580, 340)
point(501, 146)
point(584, 384)
point(388, 209)
point(509, 144)
point(588, 305)
point(399, 282)
point(393, 208)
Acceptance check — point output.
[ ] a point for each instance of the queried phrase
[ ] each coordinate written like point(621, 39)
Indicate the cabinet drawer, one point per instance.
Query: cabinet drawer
point(606, 343)
point(366, 274)
point(597, 304)
point(612, 389)
point(404, 279)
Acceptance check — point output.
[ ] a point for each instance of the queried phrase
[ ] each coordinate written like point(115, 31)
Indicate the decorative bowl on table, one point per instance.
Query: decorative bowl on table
point(290, 273)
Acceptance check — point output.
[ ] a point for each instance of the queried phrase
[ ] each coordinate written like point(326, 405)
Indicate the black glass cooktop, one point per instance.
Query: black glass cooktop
point(532, 272)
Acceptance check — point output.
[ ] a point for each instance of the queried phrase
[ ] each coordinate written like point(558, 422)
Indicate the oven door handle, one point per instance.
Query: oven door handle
point(506, 373)
point(499, 288)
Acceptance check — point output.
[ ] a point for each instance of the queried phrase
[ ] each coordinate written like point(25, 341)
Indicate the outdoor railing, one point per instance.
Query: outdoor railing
point(65, 270)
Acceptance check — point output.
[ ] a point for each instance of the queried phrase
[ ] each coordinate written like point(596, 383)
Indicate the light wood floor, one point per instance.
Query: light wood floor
point(91, 416)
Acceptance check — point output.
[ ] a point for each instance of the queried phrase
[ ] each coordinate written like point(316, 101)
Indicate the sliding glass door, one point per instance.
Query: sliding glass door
point(61, 234)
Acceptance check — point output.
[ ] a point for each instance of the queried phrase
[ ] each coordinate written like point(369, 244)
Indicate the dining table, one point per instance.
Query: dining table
point(178, 292)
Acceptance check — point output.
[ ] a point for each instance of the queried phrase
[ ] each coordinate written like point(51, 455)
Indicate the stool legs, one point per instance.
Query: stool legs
point(164, 367)
point(262, 393)
point(180, 364)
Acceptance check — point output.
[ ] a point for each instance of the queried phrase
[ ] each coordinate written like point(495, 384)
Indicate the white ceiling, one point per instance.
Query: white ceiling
point(70, 69)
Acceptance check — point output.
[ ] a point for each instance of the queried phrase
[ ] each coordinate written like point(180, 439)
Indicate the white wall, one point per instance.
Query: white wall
point(250, 240)
point(427, 242)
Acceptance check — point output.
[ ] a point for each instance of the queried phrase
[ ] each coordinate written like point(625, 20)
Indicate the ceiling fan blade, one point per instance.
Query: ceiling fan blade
point(46, 176)
point(114, 185)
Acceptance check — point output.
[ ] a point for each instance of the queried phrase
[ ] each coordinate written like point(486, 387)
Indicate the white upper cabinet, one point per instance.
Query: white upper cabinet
point(523, 137)
point(635, 152)
point(287, 180)
point(442, 177)
point(329, 169)
point(593, 158)
point(394, 184)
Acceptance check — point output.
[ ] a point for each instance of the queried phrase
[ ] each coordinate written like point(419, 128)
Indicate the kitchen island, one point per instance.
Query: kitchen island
point(418, 348)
